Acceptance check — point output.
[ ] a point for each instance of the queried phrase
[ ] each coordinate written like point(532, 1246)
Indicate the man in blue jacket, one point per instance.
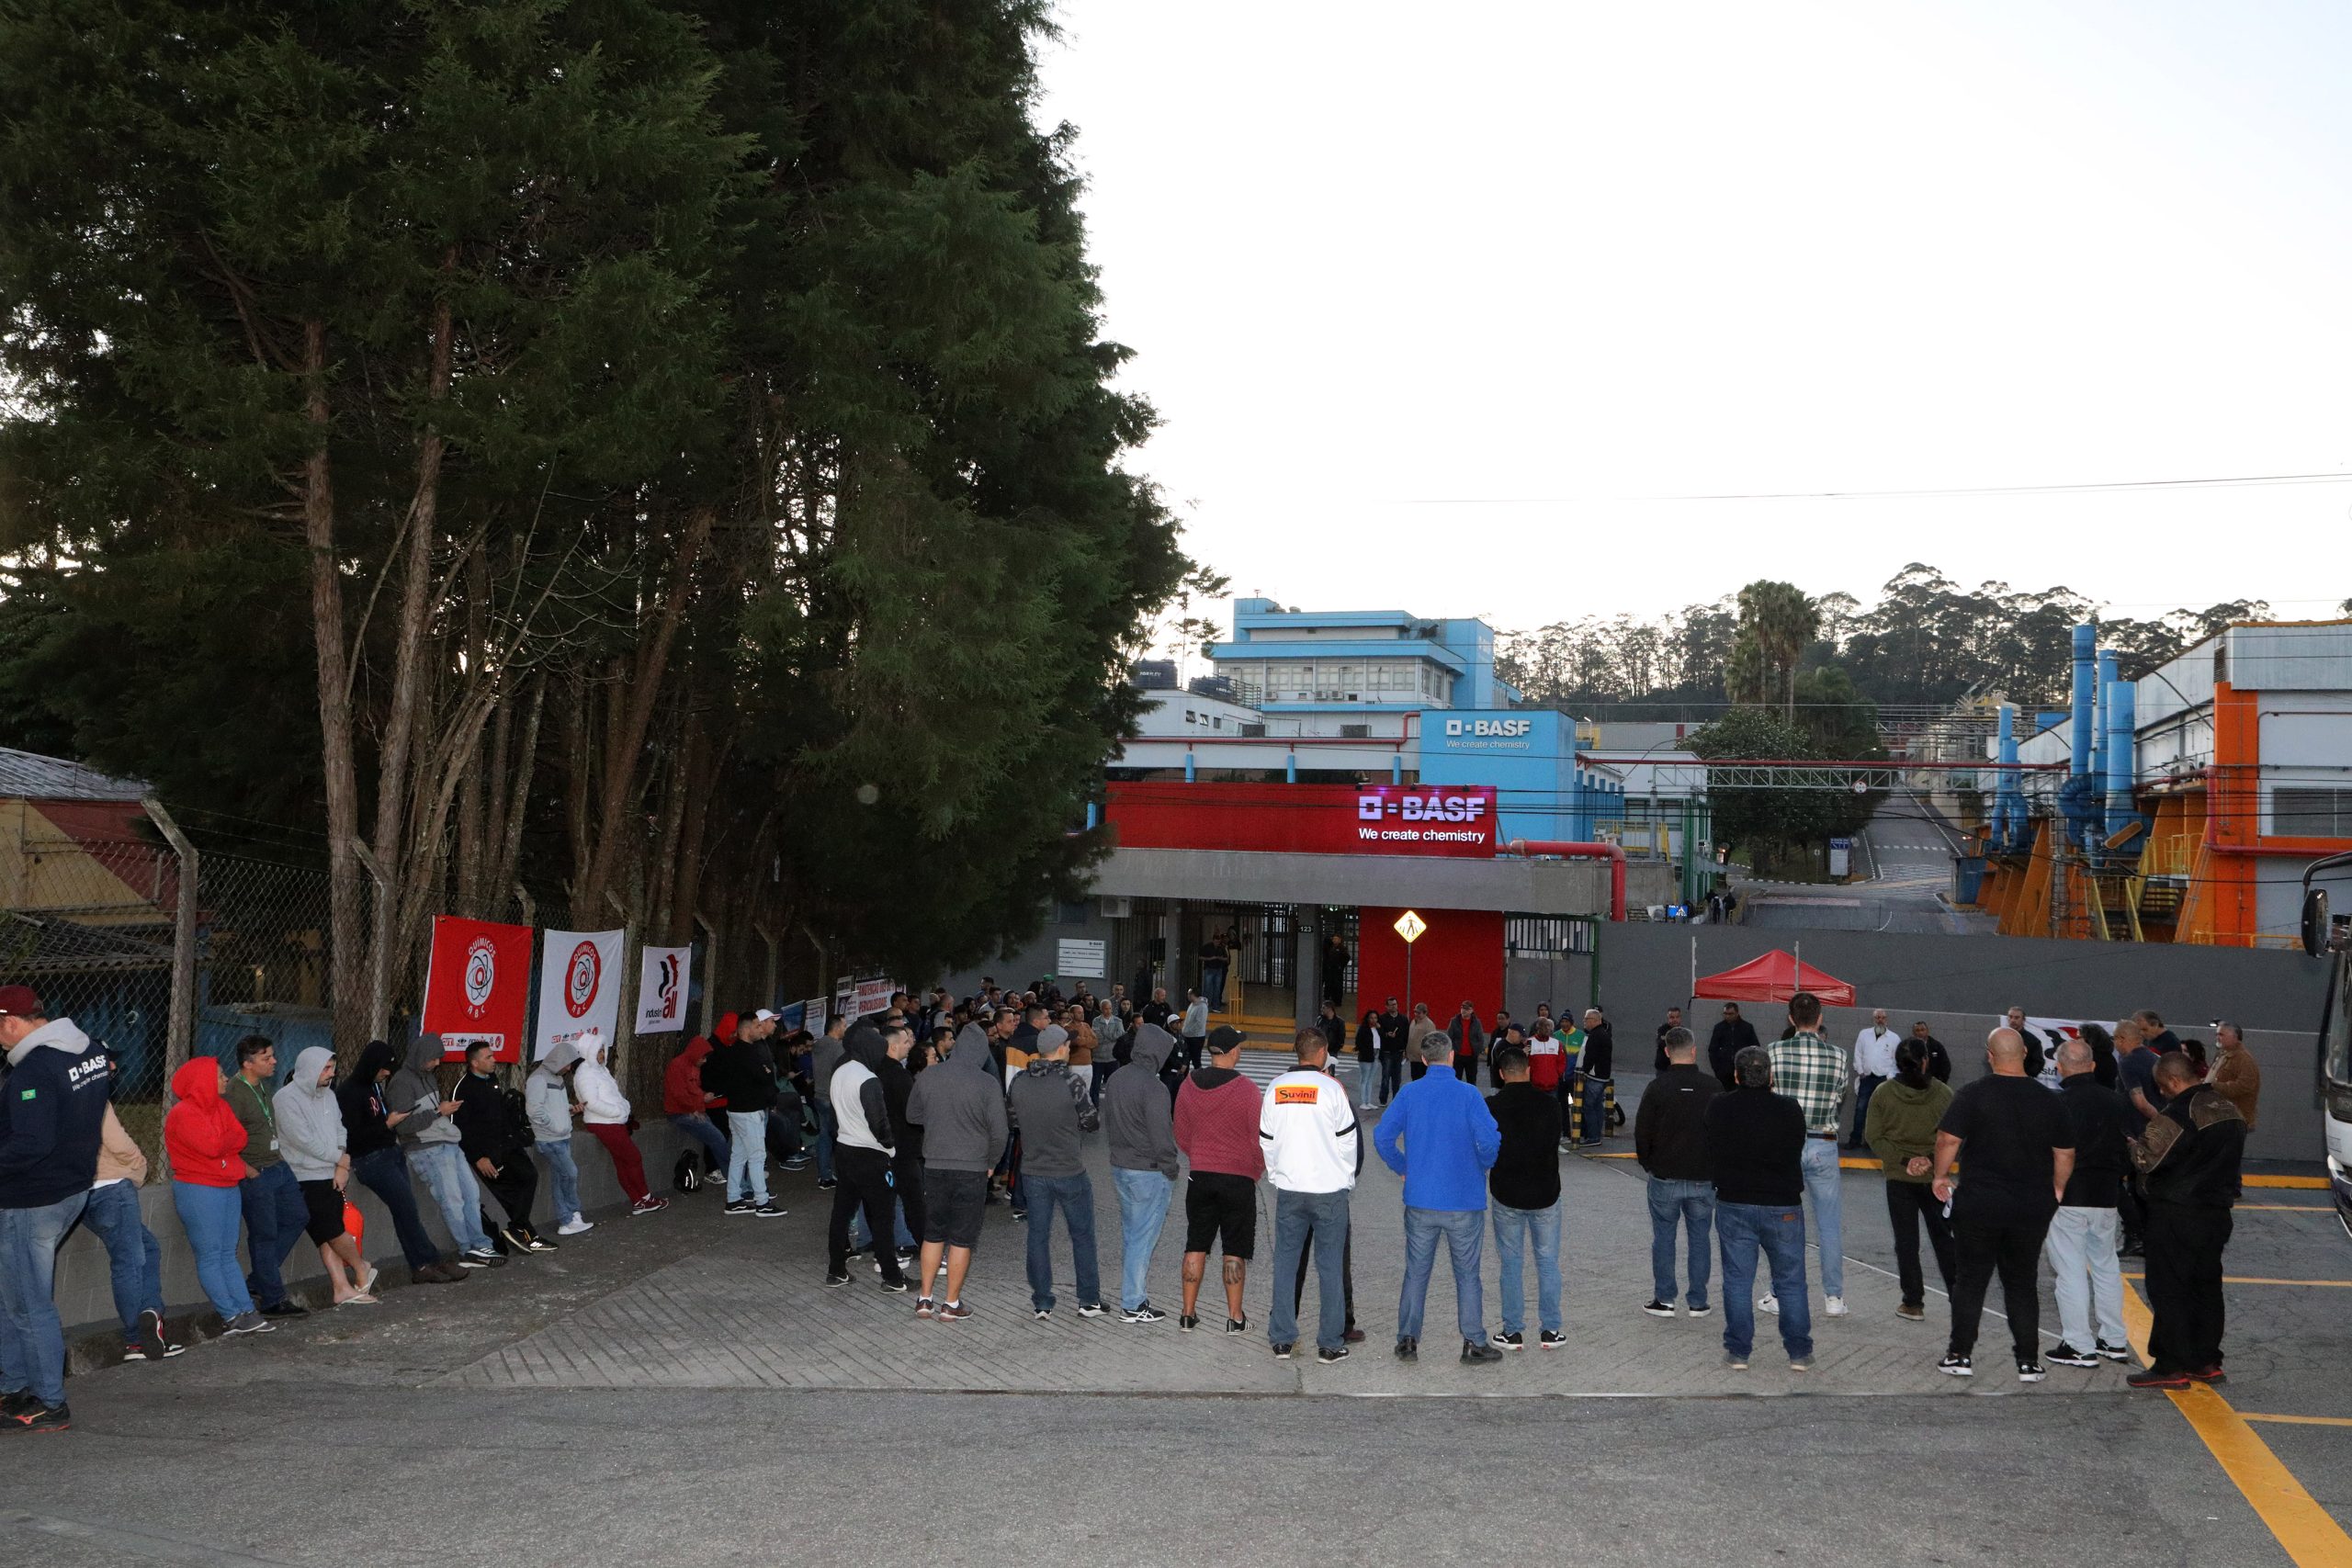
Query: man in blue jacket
point(53, 1107)
point(1439, 1135)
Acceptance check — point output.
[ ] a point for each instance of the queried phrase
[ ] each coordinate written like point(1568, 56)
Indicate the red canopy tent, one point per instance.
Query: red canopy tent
point(1774, 977)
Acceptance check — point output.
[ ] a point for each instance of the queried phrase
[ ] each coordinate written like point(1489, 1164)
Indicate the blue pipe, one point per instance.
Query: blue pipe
point(2078, 759)
point(1192, 767)
point(2122, 715)
point(1093, 814)
point(1290, 768)
point(2005, 789)
point(1396, 769)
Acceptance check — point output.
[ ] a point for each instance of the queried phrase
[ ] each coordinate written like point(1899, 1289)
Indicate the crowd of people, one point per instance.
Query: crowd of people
point(923, 1115)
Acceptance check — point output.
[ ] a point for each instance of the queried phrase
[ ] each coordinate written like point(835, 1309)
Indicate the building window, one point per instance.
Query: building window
point(2312, 813)
point(1546, 936)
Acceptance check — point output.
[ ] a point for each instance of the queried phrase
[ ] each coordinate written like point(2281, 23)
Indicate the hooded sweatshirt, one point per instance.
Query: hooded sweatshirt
point(741, 1071)
point(960, 1107)
point(1049, 1106)
point(489, 1126)
point(602, 1104)
point(202, 1135)
point(362, 1101)
point(416, 1089)
point(549, 1097)
point(682, 1087)
point(51, 1115)
point(861, 1110)
point(309, 1122)
point(1137, 1117)
point(1216, 1122)
point(1904, 1127)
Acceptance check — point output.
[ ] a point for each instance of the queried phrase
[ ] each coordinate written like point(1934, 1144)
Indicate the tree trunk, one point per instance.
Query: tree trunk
point(346, 914)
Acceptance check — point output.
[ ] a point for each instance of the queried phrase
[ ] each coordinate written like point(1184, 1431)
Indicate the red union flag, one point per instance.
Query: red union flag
point(478, 985)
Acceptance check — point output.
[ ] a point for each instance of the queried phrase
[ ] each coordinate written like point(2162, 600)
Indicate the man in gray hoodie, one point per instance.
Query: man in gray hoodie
point(430, 1139)
point(825, 1058)
point(1141, 1127)
point(961, 1113)
point(1049, 1106)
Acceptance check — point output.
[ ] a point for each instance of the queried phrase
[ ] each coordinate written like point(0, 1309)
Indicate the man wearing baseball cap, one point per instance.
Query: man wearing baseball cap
point(53, 1112)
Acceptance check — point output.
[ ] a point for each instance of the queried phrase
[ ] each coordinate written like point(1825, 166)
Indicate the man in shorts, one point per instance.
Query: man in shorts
point(1217, 1127)
point(960, 1107)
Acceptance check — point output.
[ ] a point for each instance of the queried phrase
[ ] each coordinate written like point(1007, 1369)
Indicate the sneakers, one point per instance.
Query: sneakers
point(438, 1273)
point(481, 1258)
point(1409, 1350)
point(649, 1204)
point(576, 1225)
point(835, 1281)
point(1338, 1353)
point(1509, 1341)
point(1283, 1351)
point(1911, 1311)
point(2030, 1371)
point(1659, 1309)
point(2153, 1377)
point(1188, 1323)
point(286, 1309)
point(1734, 1361)
point(769, 1210)
point(530, 1241)
point(826, 1184)
point(1043, 1315)
point(738, 1206)
point(2108, 1352)
point(797, 1162)
point(1956, 1367)
point(1701, 1310)
point(2065, 1354)
point(1091, 1309)
point(1237, 1326)
point(2210, 1374)
point(1146, 1313)
point(1833, 1306)
point(898, 1287)
point(1767, 1303)
point(1352, 1337)
point(43, 1418)
point(1478, 1355)
point(1800, 1363)
point(954, 1312)
point(152, 1342)
point(923, 1305)
point(17, 1405)
point(1553, 1339)
point(249, 1322)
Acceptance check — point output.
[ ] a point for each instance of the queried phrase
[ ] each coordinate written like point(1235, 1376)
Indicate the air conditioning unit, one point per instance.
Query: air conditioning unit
point(1355, 732)
point(1114, 908)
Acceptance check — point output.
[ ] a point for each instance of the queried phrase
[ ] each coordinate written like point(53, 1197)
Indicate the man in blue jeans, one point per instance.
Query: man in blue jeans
point(269, 1196)
point(1439, 1135)
point(1755, 1143)
point(1140, 1127)
point(1670, 1140)
point(1048, 1108)
point(1525, 1183)
point(1314, 1149)
point(52, 1109)
point(1812, 1071)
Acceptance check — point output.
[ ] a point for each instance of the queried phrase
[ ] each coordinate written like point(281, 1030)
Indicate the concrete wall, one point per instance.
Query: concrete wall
point(1514, 886)
point(85, 1297)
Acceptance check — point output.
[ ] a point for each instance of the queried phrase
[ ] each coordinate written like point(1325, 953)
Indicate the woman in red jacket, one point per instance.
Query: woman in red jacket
point(206, 1143)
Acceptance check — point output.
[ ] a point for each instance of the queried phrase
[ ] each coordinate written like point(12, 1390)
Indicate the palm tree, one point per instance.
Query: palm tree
point(1778, 621)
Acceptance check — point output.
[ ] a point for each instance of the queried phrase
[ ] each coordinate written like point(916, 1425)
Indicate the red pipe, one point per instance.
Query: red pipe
point(1569, 850)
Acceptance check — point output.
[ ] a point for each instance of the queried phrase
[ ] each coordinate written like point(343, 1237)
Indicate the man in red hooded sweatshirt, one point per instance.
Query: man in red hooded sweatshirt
point(689, 1106)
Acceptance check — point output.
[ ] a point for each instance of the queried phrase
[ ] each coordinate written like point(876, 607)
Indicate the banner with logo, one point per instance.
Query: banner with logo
point(580, 988)
point(1319, 820)
point(477, 985)
point(871, 997)
point(662, 989)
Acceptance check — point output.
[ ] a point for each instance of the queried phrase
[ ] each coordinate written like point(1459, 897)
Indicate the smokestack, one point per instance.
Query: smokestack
point(2123, 725)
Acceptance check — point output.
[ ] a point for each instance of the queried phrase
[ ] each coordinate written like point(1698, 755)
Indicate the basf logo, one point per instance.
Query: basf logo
point(1426, 818)
point(1485, 726)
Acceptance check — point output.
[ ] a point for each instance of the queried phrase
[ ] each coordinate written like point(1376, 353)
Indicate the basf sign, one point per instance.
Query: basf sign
point(1317, 819)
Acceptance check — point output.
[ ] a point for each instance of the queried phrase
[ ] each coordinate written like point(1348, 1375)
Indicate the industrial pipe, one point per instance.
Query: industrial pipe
point(2005, 812)
point(2122, 712)
point(1569, 850)
point(2078, 758)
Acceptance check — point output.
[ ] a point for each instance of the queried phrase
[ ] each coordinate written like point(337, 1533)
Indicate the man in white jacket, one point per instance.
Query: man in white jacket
point(604, 1112)
point(1874, 1064)
point(1314, 1149)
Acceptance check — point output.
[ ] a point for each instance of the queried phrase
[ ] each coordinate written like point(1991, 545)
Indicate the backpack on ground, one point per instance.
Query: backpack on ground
point(686, 1175)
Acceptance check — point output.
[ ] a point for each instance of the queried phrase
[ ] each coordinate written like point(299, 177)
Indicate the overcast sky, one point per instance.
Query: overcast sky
point(1439, 304)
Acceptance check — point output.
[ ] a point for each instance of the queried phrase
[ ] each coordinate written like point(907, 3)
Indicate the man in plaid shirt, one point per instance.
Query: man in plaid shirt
point(1812, 1071)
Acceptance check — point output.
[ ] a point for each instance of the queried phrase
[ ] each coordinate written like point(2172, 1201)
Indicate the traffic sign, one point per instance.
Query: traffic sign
point(1411, 926)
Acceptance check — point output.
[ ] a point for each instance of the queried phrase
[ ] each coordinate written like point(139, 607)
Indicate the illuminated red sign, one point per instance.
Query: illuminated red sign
point(1319, 820)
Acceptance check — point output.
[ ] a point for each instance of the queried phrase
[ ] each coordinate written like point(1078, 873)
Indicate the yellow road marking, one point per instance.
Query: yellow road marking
point(2250, 1280)
point(2309, 1535)
point(2303, 1183)
point(2284, 1208)
point(2300, 1420)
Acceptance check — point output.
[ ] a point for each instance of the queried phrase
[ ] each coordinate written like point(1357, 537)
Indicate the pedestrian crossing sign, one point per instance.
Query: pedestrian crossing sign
point(1411, 926)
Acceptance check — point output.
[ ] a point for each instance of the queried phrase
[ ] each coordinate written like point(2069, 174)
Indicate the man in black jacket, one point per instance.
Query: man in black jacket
point(2188, 1161)
point(1660, 1063)
point(1393, 1027)
point(1670, 1140)
point(1756, 1146)
point(1732, 1035)
point(740, 1069)
point(494, 1133)
point(2080, 1243)
point(1596, 1072)
point(1525, 1183)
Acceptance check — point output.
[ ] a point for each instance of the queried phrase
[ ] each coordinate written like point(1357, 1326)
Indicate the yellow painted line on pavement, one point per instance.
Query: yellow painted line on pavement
point(2284, 1208)
point(2308, 1534)
point(2301, 1183)
point(2252, 1279)
point(2298, 1420)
